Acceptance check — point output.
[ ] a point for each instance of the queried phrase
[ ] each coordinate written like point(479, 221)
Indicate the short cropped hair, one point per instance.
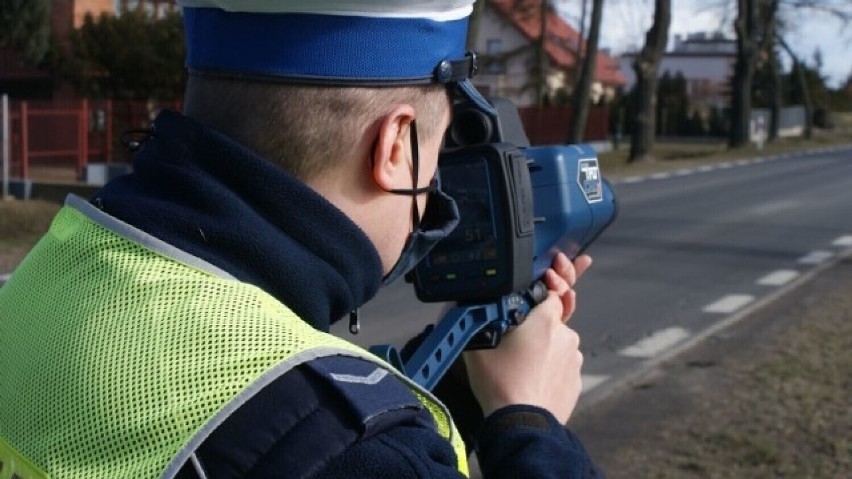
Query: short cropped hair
point(305, 129)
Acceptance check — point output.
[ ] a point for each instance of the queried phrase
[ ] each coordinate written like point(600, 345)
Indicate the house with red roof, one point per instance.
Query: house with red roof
point(509, 32)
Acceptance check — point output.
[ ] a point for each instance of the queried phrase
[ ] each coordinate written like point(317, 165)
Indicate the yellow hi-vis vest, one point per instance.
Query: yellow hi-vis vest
point(117, 360)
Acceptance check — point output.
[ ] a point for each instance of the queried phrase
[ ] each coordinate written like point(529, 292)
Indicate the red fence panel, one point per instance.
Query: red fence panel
point(550, 125)
point(57, 140)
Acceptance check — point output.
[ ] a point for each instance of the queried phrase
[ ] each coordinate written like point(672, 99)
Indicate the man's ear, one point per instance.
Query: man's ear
point(390, 163)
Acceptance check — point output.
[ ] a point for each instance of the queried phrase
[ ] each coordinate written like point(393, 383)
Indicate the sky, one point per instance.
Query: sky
point(625, 23)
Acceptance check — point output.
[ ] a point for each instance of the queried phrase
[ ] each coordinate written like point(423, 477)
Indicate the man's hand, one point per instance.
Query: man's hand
point(539, 362)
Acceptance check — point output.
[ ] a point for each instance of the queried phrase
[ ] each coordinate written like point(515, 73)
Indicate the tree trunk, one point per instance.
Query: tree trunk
point(541, 56)
point(769, 18)
point(803, 84)
point(580, 99)
point(473, 25)
point(743, 73)
point(647, 66)
point(806, 96)
point(775, 100)
point(578, 53)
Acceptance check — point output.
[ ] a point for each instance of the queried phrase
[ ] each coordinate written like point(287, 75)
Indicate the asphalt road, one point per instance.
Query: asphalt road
point(690, 249)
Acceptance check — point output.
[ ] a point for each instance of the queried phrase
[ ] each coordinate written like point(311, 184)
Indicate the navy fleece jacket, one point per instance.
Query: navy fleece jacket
point(215, 199)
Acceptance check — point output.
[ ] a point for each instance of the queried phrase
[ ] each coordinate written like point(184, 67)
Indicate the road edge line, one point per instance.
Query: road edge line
point(650, 367)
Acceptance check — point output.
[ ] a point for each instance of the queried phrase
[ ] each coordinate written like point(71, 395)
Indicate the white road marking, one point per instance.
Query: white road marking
point(816, 257)
point(706, 168)
point(773, 207)
point(4, 278)
point(778, 278)
point(655, 343)
point(684, 172)
point(742, 162)
point(843, 241)
point(660, 176)
point(633, 179)
point(728, 304)
point(591, 381)
point(724, 165)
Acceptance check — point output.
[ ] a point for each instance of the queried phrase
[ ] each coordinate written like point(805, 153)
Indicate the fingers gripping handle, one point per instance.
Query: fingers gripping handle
point(463, 327)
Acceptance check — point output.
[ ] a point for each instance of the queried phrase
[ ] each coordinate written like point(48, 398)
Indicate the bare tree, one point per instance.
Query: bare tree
point(769, 19)
point(578, 52)
point(582, 92)
point(541, 61)
point(806, 93)
point(473, 25)
point(647, 66)
point(745, 26)
point(533, 12)
point(753, 20)
point(840, 10)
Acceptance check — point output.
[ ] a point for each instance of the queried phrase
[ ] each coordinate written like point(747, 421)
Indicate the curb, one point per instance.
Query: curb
point(649, 367)
point(671, 171)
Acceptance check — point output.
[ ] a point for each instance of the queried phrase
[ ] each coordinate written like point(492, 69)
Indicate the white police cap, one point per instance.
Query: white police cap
point(362, 42)
point(435, 9)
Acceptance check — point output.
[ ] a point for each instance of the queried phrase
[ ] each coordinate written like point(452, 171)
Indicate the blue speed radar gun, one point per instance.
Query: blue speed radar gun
point(519, 206)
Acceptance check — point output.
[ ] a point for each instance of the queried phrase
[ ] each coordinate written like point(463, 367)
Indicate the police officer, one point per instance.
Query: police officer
point(175, 325)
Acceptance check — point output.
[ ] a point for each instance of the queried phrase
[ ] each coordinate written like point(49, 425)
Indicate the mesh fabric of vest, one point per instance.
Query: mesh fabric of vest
point(113, 357)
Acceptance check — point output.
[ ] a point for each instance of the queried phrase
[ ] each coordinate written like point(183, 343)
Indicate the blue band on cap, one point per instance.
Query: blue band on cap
point(321, 47)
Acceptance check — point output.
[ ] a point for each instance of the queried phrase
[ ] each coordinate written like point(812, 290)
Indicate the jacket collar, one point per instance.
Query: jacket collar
point(213, 198)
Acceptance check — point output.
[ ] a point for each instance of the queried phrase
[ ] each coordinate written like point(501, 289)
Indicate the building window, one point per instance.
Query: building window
point(496, 64)
point(154, 8)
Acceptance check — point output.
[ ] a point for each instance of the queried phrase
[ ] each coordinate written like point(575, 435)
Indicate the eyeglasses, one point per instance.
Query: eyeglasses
point(415, 159)
point(430, 188)
point(413, 192)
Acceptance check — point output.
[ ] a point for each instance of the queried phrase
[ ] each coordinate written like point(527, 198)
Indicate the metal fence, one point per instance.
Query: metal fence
point(59, 141)
point(76, 141)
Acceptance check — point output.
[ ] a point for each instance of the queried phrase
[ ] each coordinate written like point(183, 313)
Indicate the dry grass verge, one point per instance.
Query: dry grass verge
point(672, 155)
point(22, 223)
point(768, 398)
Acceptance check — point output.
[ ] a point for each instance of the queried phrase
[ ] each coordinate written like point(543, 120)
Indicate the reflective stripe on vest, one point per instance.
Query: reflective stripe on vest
point(15, 466)
point(117, 361)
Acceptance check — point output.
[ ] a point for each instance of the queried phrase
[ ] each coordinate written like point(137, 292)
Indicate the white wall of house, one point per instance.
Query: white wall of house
point(707, 75)
point(511, 81)
point(514, 81)
point(717, 69)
